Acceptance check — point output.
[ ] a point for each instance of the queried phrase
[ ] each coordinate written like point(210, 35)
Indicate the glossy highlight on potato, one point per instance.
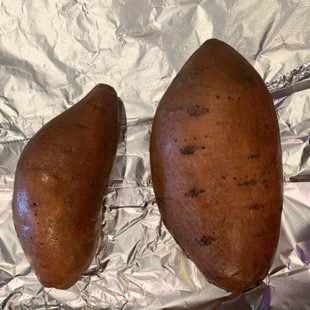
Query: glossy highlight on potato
point(60, 181)
point(216, 167)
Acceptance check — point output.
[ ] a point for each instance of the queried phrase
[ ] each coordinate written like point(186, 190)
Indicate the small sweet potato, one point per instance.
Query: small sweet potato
point(59, 185)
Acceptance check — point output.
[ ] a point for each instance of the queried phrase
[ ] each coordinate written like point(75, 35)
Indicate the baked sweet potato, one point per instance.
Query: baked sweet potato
point(59, 185)
point(216, 167)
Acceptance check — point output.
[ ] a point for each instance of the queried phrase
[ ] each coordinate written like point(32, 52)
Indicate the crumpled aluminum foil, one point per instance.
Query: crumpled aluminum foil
point(52, 53)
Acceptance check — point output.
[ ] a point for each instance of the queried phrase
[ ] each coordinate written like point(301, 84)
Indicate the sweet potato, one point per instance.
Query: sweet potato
point(59, 185)
point(216, 167)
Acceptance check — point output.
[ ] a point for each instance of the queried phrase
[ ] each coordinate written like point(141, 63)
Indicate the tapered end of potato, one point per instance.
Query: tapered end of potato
point(105, 87)
point(62, 282)
point(238, 285)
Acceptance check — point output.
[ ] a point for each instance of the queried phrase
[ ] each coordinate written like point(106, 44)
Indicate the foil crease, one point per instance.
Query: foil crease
point(53, 53)
point(290, 79)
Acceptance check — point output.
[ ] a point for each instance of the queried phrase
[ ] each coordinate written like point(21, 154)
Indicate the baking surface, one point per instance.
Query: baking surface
point(52, 54)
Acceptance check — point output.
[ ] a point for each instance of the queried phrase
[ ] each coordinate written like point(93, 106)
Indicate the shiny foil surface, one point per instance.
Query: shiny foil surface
point(53, 52)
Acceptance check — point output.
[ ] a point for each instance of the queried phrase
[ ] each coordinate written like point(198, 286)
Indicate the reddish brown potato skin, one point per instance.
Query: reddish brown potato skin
point(59, 185)
point(216, 167)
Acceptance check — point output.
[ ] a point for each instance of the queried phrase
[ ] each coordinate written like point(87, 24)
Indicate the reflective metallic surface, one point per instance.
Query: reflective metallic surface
point(52, 54)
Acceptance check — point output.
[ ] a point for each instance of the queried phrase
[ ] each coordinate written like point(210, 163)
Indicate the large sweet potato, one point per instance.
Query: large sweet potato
point(216, 166)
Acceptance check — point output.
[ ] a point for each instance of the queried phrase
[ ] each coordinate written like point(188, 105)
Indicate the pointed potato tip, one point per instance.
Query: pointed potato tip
point(105, 87)
point(216, 42)
point(58, 281)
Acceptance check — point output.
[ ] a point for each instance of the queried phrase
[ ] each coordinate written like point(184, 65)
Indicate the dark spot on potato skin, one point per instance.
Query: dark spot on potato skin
point(217, 97)
point(188, 150)
point(205, 240)
point(196, 110)
point(194, 192)
point(193, 74)
point(174, 109)
point(256, 206)
point(250, 182)
point(253, 156)
point(191, 149)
